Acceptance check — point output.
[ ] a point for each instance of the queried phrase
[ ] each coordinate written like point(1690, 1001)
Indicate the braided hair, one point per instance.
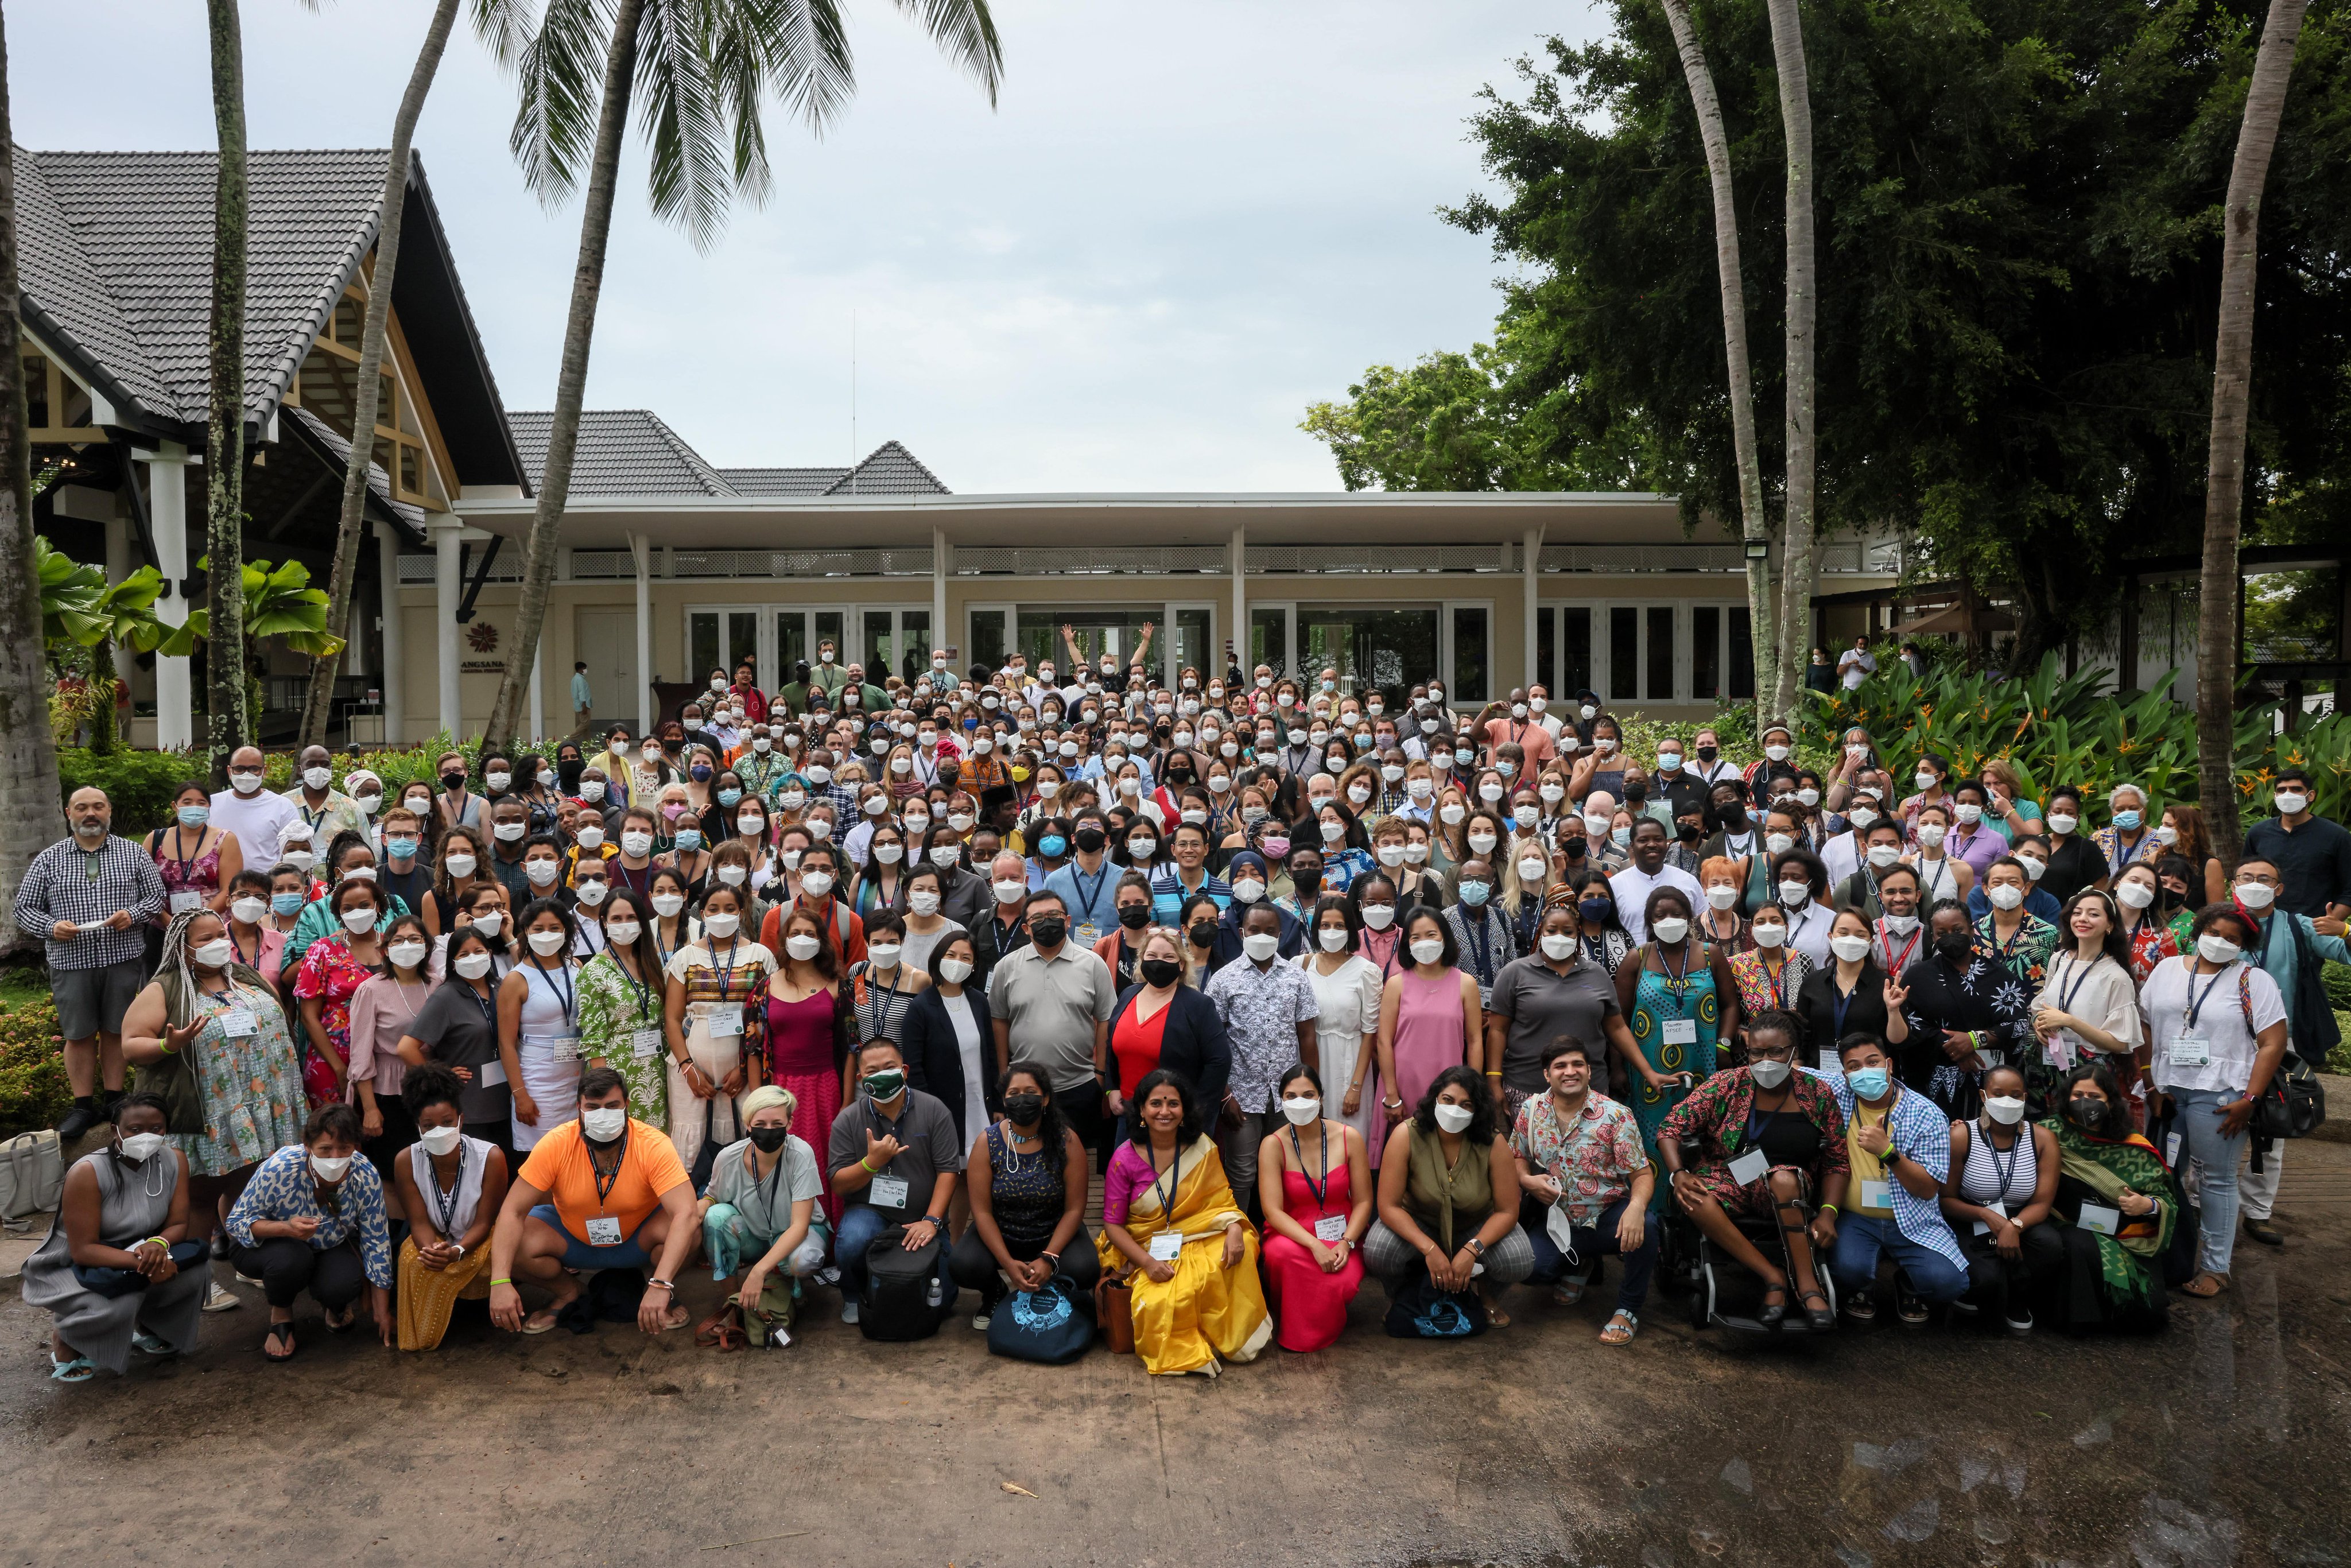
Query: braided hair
point(177, 975)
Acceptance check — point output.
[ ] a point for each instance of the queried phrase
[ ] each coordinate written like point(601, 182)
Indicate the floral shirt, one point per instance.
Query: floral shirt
point(284, 1188)
point(1261, 1010)
point(332, 974)
point(2025, 955)
point(1717, 1114)
point(1595, 1160)
point(612, 1008)
point(2151, 944)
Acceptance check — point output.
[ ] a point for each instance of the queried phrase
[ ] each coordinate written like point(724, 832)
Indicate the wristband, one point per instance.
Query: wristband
point(662, 1285)
point(864, 1163)
point(507, 1281)
point(1493, 1072)
point(1830, 1208)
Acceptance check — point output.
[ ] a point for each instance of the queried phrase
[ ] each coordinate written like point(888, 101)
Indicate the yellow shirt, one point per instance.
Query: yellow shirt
point(1866, 1166)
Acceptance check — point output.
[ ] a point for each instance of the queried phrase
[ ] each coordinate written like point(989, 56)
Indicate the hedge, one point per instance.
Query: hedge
point(33, 1089)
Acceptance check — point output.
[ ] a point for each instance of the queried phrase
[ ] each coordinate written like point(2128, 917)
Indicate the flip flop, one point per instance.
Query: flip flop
point(675, 1318)
point(350, 1316)
point(1614, 1334)
point(152, 1345)
point(2219, 1282)
point(540, 1322)
point(280, 1332)
point(80, 1369)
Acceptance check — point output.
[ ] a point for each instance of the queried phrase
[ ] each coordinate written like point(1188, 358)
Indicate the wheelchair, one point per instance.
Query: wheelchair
point(1720, 1291)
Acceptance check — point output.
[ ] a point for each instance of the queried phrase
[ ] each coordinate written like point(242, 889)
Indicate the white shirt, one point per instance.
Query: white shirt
point(1842, 857)
point(1808, 930)
point(257, 819)
point(1856, 666)
point(2231, 1043)
point(1632, 887)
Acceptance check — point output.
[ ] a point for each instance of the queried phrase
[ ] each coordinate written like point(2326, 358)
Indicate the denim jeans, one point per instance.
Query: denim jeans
point(1860, 1238)
point(2196, 1116)
point(1592, 1244)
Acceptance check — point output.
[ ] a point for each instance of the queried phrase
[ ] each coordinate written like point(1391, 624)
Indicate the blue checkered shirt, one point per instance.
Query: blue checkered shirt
point(67, 882)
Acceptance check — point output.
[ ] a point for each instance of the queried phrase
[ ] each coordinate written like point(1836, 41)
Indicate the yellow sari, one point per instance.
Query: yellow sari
point(1207, 1310)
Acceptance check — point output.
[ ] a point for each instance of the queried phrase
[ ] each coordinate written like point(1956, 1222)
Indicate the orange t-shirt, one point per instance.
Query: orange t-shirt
point(852, 951)
point(559, 1166)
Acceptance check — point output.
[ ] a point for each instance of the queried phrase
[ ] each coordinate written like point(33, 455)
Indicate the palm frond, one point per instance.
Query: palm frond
point(504, 28)
point(807, 58)
point(561, 69)
point(965, 30)
point(679, 114)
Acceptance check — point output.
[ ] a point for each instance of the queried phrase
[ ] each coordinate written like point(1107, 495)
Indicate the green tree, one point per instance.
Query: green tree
point(706, 67)
point(79, 607)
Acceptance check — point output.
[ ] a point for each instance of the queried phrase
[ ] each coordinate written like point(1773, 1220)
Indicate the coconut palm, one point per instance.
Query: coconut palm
point(1753, 528)
point(353, 521)
point(1797, 536)
point(2233, 373)
point(704, 66)
point(224, 674)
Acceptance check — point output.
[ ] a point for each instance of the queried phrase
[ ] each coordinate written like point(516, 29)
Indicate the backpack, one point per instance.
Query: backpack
point(1052, 1326)
point(905, 1295)
point(32, 1177)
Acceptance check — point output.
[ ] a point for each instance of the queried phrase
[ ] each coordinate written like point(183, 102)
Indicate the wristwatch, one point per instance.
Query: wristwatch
point(1477, 1247)
point(938, 1219)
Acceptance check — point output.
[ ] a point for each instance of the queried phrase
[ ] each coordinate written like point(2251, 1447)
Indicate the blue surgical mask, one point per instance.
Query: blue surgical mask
point(1473, 893)
point(2126, 821)
point(285, 902)
point(1870, 1083)
point(1621, 837)
point(400, 849)
point(1052, 846)
point(689, 839)
point(195, 816)
point(729, 797)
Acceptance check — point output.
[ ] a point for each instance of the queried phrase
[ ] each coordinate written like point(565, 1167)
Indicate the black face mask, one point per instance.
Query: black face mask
point(1047, 931)
point(1956, 946)
point(1733, 818)
point(769, 1139)
point(1708, 753)
point(1573, 848)
point(1089, 840)
point(1307, 883)
point(1179, 776)
point(2088, 1110)
point(1687, 832)
point(452, 780)
point(1635, 793)
point(1134, 916)
point(568, 773)
point(1203, 932)
point(1024, 1109)
point(1164, 972)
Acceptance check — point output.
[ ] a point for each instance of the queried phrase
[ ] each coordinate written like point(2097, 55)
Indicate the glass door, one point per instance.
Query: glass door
point(1270, 640)
point(797, 632)
point(720, 639)
point(894, 642)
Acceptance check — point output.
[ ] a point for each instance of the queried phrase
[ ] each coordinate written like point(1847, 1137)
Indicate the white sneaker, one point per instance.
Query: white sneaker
point(849, 1311)
point(219, 1301)
point(979, 1321)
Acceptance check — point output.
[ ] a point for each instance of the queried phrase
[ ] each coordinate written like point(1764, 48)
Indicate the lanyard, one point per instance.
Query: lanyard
point(642, 992)
point(2066, 996)
point(489, 1009)
point(2002, 1172)
point(1090, 903)
point(604, 1184)
point(1485, 941)
point(565, 991)
point(882, 1010)
point(1843, 1000)
point(254, 962)
point(726, 970)
point(187, 862)
point(2130, 853)
point(2195, 1002)
point(449, 1205)
point(1779, 985)
point(1897, 962)
point(1323, 1187)
point(1676, 984)
point(1174, 1180)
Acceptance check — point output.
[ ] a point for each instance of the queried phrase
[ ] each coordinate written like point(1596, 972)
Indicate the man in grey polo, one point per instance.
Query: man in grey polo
point(89, 897)
point(1051, 1001)
point(895, 1157)
point(1556, 990)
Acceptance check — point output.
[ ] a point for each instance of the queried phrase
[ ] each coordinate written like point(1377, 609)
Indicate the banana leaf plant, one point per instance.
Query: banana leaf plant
point(280, 603)
point(80, 607)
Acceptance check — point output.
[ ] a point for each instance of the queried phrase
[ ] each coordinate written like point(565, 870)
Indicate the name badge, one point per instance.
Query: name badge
point(1831, 1066)
point(1997, 1207)
point(2190, 1050)
point(1088, 933)
point(724, 1022)
point(563, 1047)
point(889, 1192)
point(1681, 1031)
point(2061, 1050)
point(644, 1043)
point(1750, 1167)
point(2097, 1216)
point(1331, 1228)
point(1876, 1195)
point(603, 1230)
point(238, 1022)
point(181, 903)
point(1167, 1245)
point(493, 1074)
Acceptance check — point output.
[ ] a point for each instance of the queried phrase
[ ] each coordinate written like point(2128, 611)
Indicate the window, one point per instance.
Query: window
point(1575, 674)
point(328, 386)
point(1388, 649)
point(1546, 645)
point(987, 639)
point(1115, 630)
point(1268, 639)
point(1706, 653)
point(1469, 655)
point(1660, 685)
point(1742, 653)
point(1624, 653)
point(1189, 647)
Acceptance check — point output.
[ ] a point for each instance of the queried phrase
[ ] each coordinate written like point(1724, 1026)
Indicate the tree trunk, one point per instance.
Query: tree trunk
point(225, 654)
point(2216, 629)
point(571, 381)
point(1798, 546)
point(1753, 528)
point(316, 706)
point(29, 803)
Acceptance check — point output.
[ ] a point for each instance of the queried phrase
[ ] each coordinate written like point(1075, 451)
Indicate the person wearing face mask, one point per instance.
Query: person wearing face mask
point(457, 1029)
point(1123, 948)
point(895, 973)
point(1482, 931)
point(255, 817)
point(1680, 1002)
point(1770, 974)
point(348, 859)
point(1268, 1010)
point(600, 1191)
point(1940, 877)
point(1056, 997)
point(1256, 876)
point(1556, 991)
point(1853, 991)
point(2115, 1208)
point(256, 931)
point(2147, 936)
point(313, 1219)
point(331, 973)
point(539, 1023)
point(381, 1010)
point(1586, 1187)
point(1929, 779)
point(1998, 1197)
point(2129, 835)
point(716, 1040)
point(622, 1004)
point(2218, 1030)
point(2020, 943)
point(1026, 1176)
point(2073, 859)
point(88, 897)
point(2311, 854)
point(450, 1186)
point(1600, 766)
point(1160, 1020)
point(119, 1267)
point(2032, 852)
point(1966, 1012)
point(1779, 750)
point(1431, 1015)
point(196, 860)
point(760, 1224)
point(1347, 989)
point(1898, 1144)
point(1880, 859)
point(462, 866)
point(1449, 1197)
point(896, 1161)
point(1316, 1192)
point(822, 888)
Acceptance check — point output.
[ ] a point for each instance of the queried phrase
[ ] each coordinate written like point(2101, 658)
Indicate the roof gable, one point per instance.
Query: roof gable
point(889, 470)
point(633, 452)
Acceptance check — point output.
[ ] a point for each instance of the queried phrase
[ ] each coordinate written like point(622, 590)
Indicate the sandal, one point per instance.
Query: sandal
point(350, 1316)
point(1861, 1309)
point(541, 1321)
point(1567, 1292)
point(711, 1332)
point(1819, 1321)
point(152, 1344)
point(2219, 1282)
point(1772, 1313)
point(280, 1333)
point(675, 1318)
point(80, 1369)
point(1621, 1328)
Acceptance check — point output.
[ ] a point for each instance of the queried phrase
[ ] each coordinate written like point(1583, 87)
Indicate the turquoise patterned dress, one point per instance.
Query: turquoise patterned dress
point(1657, 999)
point(251, 1086)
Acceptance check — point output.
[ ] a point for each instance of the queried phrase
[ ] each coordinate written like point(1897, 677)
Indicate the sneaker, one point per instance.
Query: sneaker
point(219, 1301)
point(2023, 1325)
point(1964, 1309)
point(2262, 1231)
point(244, 1279)
point(829, 1275)
point(849, 1311)
point(79, 1120)
point(980, 1320)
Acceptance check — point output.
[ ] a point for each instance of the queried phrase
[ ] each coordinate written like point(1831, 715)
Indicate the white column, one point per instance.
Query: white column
point(117, 567)
point(167, 518)
point(396, 656)
point(941, 560)
point(1240, 628)
point(642, 553)
point(1534, 604)
point(448, 588)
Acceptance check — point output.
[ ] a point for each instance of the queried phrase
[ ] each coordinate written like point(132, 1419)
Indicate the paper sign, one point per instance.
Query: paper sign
point(2097, 1216)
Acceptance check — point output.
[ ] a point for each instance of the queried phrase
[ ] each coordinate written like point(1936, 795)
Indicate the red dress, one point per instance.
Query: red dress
point(1309, 1307)
point(1136, 1043)
point(801, 1058)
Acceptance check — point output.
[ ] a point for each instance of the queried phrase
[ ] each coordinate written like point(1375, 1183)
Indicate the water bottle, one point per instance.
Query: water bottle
point(935, 1290)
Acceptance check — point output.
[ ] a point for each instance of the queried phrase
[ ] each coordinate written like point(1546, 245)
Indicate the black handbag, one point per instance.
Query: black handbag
point(1419, 1310)
point(1052, 1324)
point(706, 1159)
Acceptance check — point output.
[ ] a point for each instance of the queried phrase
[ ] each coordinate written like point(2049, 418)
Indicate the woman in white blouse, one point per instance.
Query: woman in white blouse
point(2088, 1005)
point(1347, 1020)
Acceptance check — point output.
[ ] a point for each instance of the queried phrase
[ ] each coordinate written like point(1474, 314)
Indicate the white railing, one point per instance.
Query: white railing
point(1079, 561)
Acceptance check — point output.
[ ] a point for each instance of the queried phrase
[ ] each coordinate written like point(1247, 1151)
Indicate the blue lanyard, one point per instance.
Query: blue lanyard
point(1485, 941)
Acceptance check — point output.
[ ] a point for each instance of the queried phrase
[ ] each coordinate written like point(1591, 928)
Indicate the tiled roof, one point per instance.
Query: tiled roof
point(889, 470)
point(781, 481)
point(337, 453)
point(118, 254)
point(633, 452)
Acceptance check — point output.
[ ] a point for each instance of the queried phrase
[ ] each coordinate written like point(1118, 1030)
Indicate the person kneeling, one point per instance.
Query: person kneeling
point(1586, 1184)
point(1899, 1145)
point(601, 1191)
point(894, 1158)
point(1449, 1197)
point(1028, 1184)
point(1998, 1197)
point(312, 1220)
point(759, 1219)
point(450, 1186)
point(117, 1268)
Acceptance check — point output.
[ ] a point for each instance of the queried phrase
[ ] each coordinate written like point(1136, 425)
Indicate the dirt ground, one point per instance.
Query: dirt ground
point(1535, 1445)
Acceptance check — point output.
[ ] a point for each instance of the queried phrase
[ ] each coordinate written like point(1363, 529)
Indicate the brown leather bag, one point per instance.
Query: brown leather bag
point(1114, 1313)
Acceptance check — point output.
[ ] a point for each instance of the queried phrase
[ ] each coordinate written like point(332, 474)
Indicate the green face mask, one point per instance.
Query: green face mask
point(885, 1086)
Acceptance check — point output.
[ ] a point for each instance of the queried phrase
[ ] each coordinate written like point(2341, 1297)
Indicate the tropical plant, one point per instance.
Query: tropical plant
point(80, 608)
point(318, 700)
point(225, 669)
point(705, 66)
point(278, 602)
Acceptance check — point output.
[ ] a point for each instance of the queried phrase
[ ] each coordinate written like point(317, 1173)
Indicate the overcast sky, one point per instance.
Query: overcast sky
point(1134, 274)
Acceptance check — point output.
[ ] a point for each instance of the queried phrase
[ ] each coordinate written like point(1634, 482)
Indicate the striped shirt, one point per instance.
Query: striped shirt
point(65, 882)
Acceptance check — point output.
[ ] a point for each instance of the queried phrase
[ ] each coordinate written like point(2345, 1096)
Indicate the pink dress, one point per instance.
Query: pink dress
point(800, 1059)
point(1310, 1306)
point(200, 876)
point(1427, 1033)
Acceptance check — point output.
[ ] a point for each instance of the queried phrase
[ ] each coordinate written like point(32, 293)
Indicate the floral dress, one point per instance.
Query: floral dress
point(330, 972)
point(2150, 942)
point(200, 876)
point(1659, 999)
point(613, 1010)
point(251, 1086)
point(2025, 955)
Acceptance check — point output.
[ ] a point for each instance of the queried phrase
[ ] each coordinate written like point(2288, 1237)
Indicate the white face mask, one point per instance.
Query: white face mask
point(1332, 940)
point(245, 783)
point(2007, 1110)
point(1769, 1073)
point(1482, 843)
point(883, 954)
point(1969, 814)
point(592, 837)
point(360, 919)
point(1721, 896)
point(2061, 823)
point(459, 865)
point(472, 966)
point(733, 875)
point(1333, 831)
point(2215, 948)
point(1379, 917)
point(317, 777)
point(1671, 929)
point(540, 873)
point(1452, 815)
point(636, 844)
point(2255, 897)
point(667, 904)
point(603, 1123)
point(1795, 895)
point(1595, 827)
point(214, 954)
point(1533, 871)
point(2289, 803)
point(408, 955)
point(1884, 855)
point(1302, 1111)
point(1557, 946)
point(923, 903)
point(953, 971)
point(330, 1167)
point(1248, 890)
point(722, 924)
point(1930, 835)
point(498, 780)
point(2004, 896)
point(1860, 817)
point(1925, 781)
point(1011, 890)
point(1852, 949)
point(1260, 946)
point(1453, 1118)
point(1901, 924)
point(546, 943)
point(2033, 867)
point(1428, 950)
point(1779, 843)
point(438, 1141)
point(592, 890)
point(817, 884)
point(623, 932)
point(889, 854)
point(249, 909)
point(1769, 935)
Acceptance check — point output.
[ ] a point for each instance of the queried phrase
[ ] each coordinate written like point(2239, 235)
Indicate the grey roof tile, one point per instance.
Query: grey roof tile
point(622, 452)
point(57, 276)
point(889, 470)
point(781, 481)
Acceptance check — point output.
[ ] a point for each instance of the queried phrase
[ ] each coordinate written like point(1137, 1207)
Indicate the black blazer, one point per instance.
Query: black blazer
point(1193, 1044)
point(1816, 1002)
point(934, 1061)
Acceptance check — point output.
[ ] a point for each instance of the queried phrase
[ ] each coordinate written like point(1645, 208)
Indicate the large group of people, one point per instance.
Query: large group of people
point(1307, 980)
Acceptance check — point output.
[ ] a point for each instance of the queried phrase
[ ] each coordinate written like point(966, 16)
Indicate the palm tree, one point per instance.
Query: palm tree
point(2233, 373)
point(28, 754)
point(353, 522)
point(1797, 536)
point(224, 671)
point(1753, 528)
point(705, 66)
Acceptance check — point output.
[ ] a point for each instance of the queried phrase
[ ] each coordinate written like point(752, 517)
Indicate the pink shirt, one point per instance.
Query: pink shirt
point(382, 1011)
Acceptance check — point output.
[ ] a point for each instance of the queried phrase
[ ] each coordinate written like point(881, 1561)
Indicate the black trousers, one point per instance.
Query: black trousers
point(286, 1268)
point(973, 1266)
point(1083, 1108)
point(1997, 1284)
